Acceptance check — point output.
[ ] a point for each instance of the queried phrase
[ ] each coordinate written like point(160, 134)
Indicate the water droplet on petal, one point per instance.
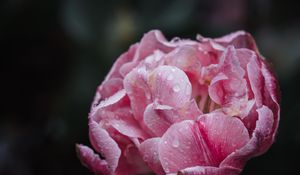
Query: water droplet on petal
point(170, 77)
point(173, 69)
point(165, 142)
point(176, 88)
point(148, 96)
point(175, 143)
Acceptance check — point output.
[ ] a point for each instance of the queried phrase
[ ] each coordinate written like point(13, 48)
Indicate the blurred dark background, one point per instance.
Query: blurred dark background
point(54, 53)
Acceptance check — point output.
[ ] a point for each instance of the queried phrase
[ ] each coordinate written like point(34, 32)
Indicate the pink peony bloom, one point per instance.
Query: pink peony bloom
point(200, 107)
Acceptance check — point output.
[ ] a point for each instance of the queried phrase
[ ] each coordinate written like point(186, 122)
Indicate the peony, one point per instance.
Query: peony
point(183, 107)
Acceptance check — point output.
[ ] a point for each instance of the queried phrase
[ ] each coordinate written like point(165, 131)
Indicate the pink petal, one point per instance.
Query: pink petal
point(261, 140)
point(105, 145)
point(149, 151)
point(151, 41)
point(271, 94)
point(138, 92)
point(131, 162)
point(255, 80)
point(223, 134)
point(232, 92)
point(216, 90)
point(128, 126)
point(204, 143)
point(110, 87)
point(189, 111)
point(186, 58)
point(91, 160)
point(170, 86)
point(156, 123)
point(127, 67)
point(181, 147)
point(207, 170)
point(124, 58)
point(116, 101)
point(239, 39)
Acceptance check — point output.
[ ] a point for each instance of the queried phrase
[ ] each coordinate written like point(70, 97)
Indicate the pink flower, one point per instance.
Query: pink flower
point(190, 107)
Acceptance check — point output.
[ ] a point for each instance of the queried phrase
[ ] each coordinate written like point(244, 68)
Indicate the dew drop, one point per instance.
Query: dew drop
point(148, 96)
point(176, 88)
point(175, 143)
point(165, 142)
point(170, 77)
point(173, 69)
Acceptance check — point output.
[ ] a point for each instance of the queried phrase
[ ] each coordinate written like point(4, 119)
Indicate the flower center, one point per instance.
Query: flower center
point(206, 104)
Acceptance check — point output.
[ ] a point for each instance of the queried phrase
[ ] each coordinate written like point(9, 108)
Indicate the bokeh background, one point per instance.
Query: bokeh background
point(54, 53)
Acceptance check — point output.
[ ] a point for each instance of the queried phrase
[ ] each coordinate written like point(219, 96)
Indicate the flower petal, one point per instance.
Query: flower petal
point(260, 141)
point(116, 101)
point(205, 142)
point(105, 145)
point(186, 58)
point(255, 80)
point(110, 87)
point(156, 123)
point(239, 39)
point(124, 58)
point(131, 162)
point(182, 147)
point(127, 125)
point(149, 151)
point(223, 134)
point(170, 86)
point(216, 90)
point(208, 170)
point(138, 92)
point(151, 41)
point(91, 160)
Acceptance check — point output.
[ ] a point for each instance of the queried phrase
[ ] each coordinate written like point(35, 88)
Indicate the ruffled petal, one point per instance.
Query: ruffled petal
point(116, 101)
point(170, 86)
point(207, 170)
point(149, 152)
point(205, 142)
point(261, 140)
point(255, 80)
point(186, 58)
point(110, 87)
point(239, 39)
point(156, 123)
point(131, 162)
point(151, 41)
point(216, 90)
point(138, 92)
point(223, 134)
point(124, 58)
point(105, 145)
point(182, 147)
point(91, 160)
